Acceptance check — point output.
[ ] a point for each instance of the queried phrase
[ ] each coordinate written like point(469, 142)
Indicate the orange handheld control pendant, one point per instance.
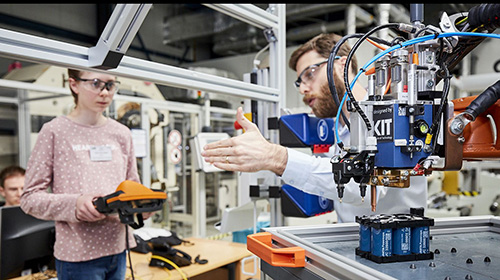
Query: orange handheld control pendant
point(261, 245)
point(129, 200)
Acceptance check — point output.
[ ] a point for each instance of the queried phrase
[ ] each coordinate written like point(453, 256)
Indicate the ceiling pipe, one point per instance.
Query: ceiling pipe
point(209, 23)
point(383, 18)
point(350, 15)
point(397, 12)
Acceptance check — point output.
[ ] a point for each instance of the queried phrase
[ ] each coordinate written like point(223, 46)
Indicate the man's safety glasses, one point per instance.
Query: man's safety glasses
point(307, 75)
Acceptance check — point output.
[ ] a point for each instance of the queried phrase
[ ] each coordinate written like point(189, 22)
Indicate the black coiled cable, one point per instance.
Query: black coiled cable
point(485, 14)
point(331, 59)
point(346, 70)
point(484, 100)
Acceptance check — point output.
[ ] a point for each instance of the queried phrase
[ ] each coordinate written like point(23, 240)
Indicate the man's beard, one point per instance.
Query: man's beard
point(325, 106)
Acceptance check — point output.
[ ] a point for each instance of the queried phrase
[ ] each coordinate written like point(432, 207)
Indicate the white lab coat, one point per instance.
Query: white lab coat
point(313, 174)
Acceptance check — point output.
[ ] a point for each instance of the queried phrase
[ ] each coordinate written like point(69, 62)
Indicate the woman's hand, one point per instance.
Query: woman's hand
point(85, 210)
point(147, 215)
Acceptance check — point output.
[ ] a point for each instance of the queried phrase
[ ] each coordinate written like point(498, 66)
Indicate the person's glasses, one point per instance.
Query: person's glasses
point(96, 85)
point(308, 74)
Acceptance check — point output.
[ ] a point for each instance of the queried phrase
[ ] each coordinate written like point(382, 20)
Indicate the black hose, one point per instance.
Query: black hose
point(437, 119)
point(128, 252)
point(484, 100)
point(329, 75)
point(331, 59)
point(346, 71)
point(485, 14)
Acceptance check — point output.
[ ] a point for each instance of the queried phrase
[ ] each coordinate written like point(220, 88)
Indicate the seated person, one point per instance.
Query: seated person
point(11, 184)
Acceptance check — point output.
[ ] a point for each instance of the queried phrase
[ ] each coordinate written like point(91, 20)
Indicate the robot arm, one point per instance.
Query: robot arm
point(395, 131)
point(472, 125)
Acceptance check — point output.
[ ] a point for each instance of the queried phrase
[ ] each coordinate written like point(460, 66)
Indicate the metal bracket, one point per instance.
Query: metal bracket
point(269, 34)
point(117, 36)
point(459, 122)
point(448, 26)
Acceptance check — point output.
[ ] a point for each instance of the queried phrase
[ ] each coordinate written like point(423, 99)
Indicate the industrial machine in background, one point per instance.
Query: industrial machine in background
point(472, 191)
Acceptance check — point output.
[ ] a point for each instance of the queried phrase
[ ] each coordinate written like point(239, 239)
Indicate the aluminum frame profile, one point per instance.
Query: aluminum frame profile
point(328, 264)
point(158, 104)
point(118, 34)
point(248, 13)
point(42, 50)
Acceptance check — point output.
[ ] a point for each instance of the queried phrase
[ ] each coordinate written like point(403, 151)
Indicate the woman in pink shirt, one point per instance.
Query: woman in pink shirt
point(77, 158)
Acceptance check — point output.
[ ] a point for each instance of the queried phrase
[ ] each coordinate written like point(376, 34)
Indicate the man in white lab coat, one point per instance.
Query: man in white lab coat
point(251, 152)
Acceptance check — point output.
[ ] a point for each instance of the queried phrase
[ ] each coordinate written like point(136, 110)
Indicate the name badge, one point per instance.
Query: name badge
point(100, 153)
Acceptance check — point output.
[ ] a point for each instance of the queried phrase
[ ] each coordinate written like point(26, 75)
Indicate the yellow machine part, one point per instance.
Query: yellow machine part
point(248, 116)
point(450, 183)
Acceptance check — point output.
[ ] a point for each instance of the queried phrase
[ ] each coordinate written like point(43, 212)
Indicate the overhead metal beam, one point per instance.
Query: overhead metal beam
point(248, 13)
point(118, 34)
point(42, 50)
point(53, 31)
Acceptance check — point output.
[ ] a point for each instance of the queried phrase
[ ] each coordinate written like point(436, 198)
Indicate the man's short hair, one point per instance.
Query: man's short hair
point(323, 44)
point(11, 171)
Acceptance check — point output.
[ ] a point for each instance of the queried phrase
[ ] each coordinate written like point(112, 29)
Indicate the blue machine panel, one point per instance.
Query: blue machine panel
point(391, 127)
point(296, 203)
point(310, 130)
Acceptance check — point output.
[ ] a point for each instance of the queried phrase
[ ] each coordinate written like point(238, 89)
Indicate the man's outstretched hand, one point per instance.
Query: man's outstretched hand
point(248, 152)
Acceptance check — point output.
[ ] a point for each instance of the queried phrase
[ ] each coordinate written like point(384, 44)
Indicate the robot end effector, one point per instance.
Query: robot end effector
point(406, 116)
